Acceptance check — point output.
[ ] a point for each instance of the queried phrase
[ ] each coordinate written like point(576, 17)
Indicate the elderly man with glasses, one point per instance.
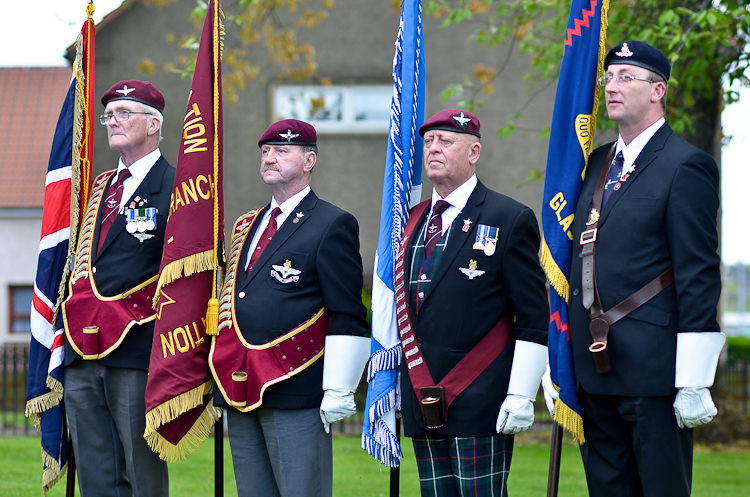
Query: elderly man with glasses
point(108, 316)
point(644, 287)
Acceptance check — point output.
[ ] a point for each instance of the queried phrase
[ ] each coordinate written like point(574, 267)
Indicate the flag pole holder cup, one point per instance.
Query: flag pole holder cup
point(90, 342)
point(239, 389)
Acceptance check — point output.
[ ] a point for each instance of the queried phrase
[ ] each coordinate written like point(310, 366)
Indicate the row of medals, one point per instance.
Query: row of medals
point(140, 220)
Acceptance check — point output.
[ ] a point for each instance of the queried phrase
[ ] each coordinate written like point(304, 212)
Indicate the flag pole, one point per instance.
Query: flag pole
point(70, 483)
point(553, 478)
point(219, 457)
point(396, 471)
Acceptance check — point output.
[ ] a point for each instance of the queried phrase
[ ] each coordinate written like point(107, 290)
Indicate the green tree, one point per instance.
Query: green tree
point(706, 40)
point(272, 24)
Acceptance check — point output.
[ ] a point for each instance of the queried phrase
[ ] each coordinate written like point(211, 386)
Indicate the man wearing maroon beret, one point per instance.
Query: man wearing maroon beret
point(474, 336)
point(291, 346)
point(108, 317)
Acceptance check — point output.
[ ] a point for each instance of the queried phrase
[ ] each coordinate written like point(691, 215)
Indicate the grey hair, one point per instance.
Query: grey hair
point(154, 112)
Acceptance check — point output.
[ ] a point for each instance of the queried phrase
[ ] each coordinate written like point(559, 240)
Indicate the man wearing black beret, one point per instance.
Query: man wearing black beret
point(109, 320)
point(472, 317)
point(291, 346)
point(645, 284)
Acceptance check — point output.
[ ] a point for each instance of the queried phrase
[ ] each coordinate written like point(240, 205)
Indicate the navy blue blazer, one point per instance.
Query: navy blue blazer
point(664, 215)
point(457, 312)
point(124, 262)
point(324, 245)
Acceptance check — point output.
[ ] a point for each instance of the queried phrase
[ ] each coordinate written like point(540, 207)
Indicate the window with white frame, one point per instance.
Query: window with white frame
point(336, 109)
point(20, 308)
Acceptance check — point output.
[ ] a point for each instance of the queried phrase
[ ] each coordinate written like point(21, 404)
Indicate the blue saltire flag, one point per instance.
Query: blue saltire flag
point(402, 186)
point(571, 142)
point(66, 191)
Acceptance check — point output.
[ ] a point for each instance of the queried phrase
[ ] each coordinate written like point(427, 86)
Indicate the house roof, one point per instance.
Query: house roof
point(31, 101)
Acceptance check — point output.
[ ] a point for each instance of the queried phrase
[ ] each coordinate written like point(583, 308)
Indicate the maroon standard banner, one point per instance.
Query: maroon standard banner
point(179, 407)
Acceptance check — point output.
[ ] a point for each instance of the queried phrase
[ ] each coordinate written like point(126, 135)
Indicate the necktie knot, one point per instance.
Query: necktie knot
point(440, 207)
point(435, 227)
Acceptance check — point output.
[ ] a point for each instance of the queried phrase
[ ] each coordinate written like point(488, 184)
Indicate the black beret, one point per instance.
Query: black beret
point(637, 53)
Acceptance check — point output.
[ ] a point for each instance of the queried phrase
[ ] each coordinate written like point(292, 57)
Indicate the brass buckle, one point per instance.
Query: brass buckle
point(588, 236)
point(598, 346)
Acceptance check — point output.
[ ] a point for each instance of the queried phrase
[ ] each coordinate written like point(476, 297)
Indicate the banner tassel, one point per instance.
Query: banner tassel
point(212, 317)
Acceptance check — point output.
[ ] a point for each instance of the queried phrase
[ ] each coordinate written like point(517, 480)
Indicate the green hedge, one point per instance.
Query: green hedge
point(738, 347)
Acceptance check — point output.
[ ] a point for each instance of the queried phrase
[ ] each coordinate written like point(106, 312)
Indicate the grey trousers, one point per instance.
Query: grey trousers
point(280, 453)
point(107, 417)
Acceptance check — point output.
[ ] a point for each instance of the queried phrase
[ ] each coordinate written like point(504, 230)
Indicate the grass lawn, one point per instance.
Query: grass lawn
point(717, 472)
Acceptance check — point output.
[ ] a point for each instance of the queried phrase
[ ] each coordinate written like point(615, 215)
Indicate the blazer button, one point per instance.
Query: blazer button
point(419, 341)
point(575, 292)
point(241, 295)
point(580, 255)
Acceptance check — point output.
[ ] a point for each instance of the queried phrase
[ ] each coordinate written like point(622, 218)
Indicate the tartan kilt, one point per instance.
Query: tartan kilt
point(463, 466)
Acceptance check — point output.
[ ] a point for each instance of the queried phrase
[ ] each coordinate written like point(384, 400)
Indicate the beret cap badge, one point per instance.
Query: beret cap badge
point(625, 51)
point(462, 120)
point(288, 136)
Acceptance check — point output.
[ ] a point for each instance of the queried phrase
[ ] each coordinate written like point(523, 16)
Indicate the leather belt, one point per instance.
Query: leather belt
point(602, 320)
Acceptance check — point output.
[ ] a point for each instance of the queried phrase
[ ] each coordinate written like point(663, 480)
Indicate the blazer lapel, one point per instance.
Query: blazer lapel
point(459, 239)
point(241, 275)
point(649, 153)
point(286, 230)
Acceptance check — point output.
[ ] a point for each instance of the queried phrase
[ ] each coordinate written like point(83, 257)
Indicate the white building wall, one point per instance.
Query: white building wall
point(19, 245)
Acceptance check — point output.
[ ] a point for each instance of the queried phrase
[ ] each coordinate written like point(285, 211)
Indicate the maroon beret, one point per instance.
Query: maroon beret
point(289, 132)
point(132, 89)
point(458, 121)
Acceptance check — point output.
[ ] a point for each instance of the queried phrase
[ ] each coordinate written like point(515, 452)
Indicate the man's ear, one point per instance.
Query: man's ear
point(310, 159)
point(475, 150)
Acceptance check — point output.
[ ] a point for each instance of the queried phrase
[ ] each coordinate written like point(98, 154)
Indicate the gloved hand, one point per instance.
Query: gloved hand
point(550, 392)
point(337, 404)
point(516, 414)
point(694, 407)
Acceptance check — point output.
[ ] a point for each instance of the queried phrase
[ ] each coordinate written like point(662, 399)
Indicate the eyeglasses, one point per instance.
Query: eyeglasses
point(622, 79)
point(120, 116)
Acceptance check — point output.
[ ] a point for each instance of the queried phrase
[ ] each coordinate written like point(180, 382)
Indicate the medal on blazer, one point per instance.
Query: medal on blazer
point(471, 271)
point(626, 172)
point(486, 239)
point(467, 225)
point(140, 220)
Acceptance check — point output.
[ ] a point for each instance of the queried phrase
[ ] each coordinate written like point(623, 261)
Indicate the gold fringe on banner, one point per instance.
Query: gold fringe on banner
point(570, 420)
point(556, 277)
point(52, 472)
point(170, 410)
point(187, 266)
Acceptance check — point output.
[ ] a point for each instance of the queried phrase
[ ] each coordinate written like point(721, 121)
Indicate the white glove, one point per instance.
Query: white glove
point(516, 415)
point(550, 392)
point(336, 405)
point(693, 407)
point(343, 362)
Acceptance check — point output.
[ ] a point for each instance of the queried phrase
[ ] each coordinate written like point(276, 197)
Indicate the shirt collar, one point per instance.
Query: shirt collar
point(140, 168)
point(458, 197)
point(631, 151)
point(288, 206)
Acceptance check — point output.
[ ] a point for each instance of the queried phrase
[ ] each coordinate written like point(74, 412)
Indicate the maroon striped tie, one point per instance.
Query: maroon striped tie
point(435, 227)
point(264, 239)
point(112, 205)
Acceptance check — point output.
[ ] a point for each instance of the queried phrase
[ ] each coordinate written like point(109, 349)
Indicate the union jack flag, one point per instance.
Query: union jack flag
point(66, 190)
